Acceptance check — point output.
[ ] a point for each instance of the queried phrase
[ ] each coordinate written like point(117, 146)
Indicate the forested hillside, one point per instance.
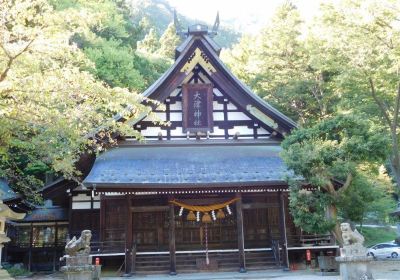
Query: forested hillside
point(159, 14)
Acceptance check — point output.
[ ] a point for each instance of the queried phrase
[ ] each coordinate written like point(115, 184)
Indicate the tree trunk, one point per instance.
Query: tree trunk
point(395, 168)
point(332, 213)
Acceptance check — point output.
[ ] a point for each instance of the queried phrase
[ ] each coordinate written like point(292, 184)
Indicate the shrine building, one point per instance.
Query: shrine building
point(206, 190)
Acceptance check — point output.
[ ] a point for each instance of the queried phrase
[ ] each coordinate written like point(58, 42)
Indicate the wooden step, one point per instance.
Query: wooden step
point(186, 263)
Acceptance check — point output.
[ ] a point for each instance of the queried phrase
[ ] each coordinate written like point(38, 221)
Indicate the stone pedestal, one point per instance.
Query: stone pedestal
point(78, 268)
point(355, 267)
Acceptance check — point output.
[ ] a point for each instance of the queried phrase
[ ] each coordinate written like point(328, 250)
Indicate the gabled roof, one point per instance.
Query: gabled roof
point(201, 49)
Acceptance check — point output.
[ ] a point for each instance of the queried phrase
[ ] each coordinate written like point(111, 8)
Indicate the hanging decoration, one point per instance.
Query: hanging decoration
point(191, 216)
point(204, 208)
point(206, 218)
point(228, 209)
point(220, 214)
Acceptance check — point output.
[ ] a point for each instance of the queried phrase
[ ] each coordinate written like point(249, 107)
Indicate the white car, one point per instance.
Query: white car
point(384, 250)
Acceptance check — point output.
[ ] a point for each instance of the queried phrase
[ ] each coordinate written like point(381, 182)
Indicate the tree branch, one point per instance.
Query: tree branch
point(347, 182)
point(379, 103)
point(331, 189)
point(396, 109)
point(12, 58)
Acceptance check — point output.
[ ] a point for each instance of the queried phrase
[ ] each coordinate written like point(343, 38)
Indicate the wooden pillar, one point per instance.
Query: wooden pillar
point(103, 206)
point(282, 231)
point(240, 233)
point(171, 238)
point(55, 246)
point(128, 238)
point(30, 250)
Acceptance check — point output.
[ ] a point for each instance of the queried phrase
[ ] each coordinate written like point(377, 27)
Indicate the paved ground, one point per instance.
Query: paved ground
point(253, 275)
point(381, 270)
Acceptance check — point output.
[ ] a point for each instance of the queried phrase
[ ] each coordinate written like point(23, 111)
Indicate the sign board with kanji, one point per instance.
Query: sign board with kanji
point(197, 100)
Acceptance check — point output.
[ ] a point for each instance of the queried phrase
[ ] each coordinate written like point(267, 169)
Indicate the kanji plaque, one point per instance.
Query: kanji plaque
point(197, 107)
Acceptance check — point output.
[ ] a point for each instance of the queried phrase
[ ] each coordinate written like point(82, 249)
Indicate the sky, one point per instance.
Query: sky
point(245, 15)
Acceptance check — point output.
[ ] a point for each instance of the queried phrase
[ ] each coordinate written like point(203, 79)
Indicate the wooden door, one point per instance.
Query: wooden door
point(257, 229)
point(150, 231)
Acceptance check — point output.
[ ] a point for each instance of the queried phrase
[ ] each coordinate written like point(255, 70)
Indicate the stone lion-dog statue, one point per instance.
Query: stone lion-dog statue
point(79, 246)
point(352, 241)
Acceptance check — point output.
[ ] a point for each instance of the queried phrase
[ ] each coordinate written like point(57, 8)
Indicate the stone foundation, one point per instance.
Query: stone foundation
point(78, 268)
point(355, 267)
point(78, 260)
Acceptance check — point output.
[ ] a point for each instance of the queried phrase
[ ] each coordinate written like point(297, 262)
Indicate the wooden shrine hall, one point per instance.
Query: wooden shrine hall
point(206, 190)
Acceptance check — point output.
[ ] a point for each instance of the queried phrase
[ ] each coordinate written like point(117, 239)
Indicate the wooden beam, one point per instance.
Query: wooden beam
point(282, 231)
point(142, 209)
point(240, 233)
point(128, 239)
point(55, 246)
point(171, 238)
point(259, 205)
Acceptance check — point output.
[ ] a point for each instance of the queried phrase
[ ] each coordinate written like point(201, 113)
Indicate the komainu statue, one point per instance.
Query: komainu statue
point(352, 241)
point(81, 246)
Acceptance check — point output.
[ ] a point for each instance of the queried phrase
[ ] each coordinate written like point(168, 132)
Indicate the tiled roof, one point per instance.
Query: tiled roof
point(47, 212)
point(188, 165)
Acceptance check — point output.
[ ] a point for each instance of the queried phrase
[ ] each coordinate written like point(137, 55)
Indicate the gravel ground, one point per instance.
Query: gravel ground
point(381, 270)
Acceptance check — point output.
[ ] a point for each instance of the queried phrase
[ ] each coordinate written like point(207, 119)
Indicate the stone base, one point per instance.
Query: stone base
point(78, 260)
point(81, 272)
point(80, 275)
point(355, 268)
point(4, 275)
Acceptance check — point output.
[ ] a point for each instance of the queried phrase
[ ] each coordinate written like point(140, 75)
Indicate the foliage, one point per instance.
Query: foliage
point(52, 111)
point(333, 150)
point(115, 65)
point(366, 34)
point(280, 65)
point(111, 44)
point(151, 67)
point(309, 210)
point(368, 199)
point(16, 271)
point(377, 235)
point(150, 44)
point(168, 42)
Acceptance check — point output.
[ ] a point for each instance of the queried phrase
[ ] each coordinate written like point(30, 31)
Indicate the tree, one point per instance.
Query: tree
point(242, 59)
point(329, 153)
point(368, 197)
point(150, 44)
point(365, 37)
point(168, 42)
point(52, 111)
point(279, 65)
point(115, 64)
